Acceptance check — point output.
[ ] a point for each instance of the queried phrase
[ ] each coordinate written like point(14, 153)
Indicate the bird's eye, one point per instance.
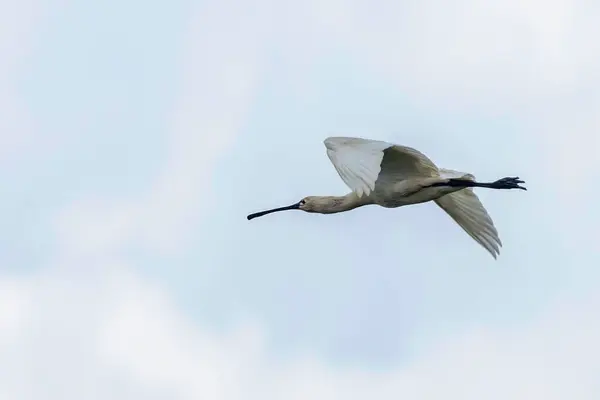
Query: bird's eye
point(302, 202)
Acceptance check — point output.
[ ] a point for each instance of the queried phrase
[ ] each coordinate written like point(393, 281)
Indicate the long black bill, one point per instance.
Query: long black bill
point(260, 214)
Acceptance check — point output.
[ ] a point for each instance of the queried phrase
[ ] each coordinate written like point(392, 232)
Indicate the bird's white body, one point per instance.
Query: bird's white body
point(392, 176)
point(406, 192)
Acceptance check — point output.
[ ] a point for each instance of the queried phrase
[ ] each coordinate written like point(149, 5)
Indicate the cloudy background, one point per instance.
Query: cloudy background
point(136, 136)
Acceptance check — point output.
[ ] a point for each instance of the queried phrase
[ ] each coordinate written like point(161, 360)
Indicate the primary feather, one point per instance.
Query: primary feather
point(466, 209)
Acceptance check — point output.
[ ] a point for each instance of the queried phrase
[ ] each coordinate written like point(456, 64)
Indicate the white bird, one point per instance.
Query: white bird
point(391, 176)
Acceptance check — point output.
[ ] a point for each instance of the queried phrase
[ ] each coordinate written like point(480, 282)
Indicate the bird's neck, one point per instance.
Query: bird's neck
point(336, 204)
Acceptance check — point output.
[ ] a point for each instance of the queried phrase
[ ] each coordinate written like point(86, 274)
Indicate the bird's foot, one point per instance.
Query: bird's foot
point(509, 183)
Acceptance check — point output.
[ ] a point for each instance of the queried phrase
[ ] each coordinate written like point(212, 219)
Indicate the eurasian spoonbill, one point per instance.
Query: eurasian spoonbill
point(391, 176)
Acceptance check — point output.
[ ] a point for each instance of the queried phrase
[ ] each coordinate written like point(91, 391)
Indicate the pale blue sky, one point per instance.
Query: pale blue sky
point(156, 128)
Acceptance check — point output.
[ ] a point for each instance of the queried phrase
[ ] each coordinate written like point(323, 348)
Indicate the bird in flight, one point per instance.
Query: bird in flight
point(392, 176)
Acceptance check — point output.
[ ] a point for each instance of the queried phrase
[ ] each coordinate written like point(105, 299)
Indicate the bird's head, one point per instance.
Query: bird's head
point(311, 204)
point(321, 204)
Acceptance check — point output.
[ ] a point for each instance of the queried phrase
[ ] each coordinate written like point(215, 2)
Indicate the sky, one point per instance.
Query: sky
point(135, 137)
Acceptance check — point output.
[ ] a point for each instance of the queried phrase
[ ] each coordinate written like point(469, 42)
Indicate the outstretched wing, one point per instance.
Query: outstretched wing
point(360, 162)
point(466, 209)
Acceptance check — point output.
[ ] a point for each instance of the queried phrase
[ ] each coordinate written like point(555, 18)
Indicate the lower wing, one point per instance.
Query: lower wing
point(466, 209)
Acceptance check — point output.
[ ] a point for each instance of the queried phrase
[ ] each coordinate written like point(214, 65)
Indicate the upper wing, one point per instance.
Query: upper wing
point(466, 209)
point(359, 162)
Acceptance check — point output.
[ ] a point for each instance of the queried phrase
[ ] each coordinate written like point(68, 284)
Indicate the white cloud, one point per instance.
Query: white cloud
point(79, 335)
point(469, 55)
point(14, 306)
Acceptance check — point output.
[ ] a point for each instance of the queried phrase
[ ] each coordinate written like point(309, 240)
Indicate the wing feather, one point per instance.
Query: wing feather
point(466, 209)
point(361, 162)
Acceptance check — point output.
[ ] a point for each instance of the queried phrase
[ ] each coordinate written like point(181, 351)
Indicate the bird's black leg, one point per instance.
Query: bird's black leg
point(508, 183)
point(504, 183)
